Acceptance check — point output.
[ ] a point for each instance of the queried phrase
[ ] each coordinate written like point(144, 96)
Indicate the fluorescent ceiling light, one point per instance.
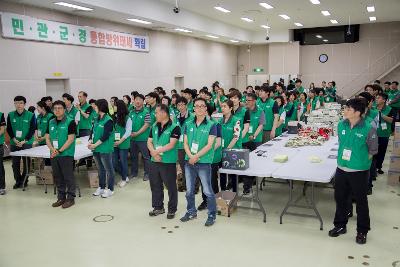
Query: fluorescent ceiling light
point(247, 19)
point(212, 36)
point(318, 36)
point(139, 21)
point(298, 24)
point(234, 41)
point(325, 13)
point(219, 8)
point(182, 30)
point(73, 6)
point(284, 16)
point(325, 40)
point(265, 27)
point(265, 5)
point(334, 21)
point(315, 2)
point(372, 18)
point(370, 8)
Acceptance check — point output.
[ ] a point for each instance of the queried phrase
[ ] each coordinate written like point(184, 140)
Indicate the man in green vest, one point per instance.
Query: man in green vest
point(71, 111)
point(85, 110)
point(358, 143)
point(267, 103)
point(162, 144)
point(386, 87)
point(60, 138)
point(298, 87)
point(21, 126)
point(199, 139)
point(141, 124)
point(279, 117)
point(152, 99)
point(2, 171)
point(394, 99)
point(189, 95)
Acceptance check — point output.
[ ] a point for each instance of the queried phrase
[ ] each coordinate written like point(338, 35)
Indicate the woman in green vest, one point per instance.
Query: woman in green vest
point(302, 107)
point(101, 142)
point(60, 138)
point(312, 101)
point(162, 144)
point(167, 101)
point(279, 119)
point(122, 141)
point(128, 102)
point(321, 95)
point(220, 97)
point(291, 108)
point(2, 171)
point(94, 114)
point(42, 122)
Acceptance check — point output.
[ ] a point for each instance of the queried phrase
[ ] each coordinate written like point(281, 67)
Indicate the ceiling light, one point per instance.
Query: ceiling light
point(318, 36)
point(219, 8)
point(139, 21)
point(247, 19)
point(325, 13)
point(182, 30)
point(315, 2)
point(265, 5)
point(298, 24)
point(73, 6)
point(370, 8)
point(334, 21)
point(234, 41)
point(284, 16)
point(372, 18)
point(325, 40)
point(212, 36)
point(265, 27)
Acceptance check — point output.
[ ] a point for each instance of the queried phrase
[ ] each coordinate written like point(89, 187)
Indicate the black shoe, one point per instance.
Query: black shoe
point(380, 171)
point(246, 192)
point(361, 238)
point(202, 206)
point(337, 231)
point(350, 214)
point(170, 215)
point(374, 179)
point(17, 185)
point(156, 212)
point(369, 192)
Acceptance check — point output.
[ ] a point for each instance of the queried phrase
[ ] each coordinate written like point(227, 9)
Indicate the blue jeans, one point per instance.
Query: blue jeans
point(120, 162)
point(141, 146)
point(106, 170)
point(203, 171)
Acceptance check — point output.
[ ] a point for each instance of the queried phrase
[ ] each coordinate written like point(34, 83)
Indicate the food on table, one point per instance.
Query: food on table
point(281, 158)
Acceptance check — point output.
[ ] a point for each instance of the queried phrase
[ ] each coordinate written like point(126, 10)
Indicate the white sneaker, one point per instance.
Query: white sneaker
point(127, 180)
point(98, 192)
point(122, 183)
point(107, 193)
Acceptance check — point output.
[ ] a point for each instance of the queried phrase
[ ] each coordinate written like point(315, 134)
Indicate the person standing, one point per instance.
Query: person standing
point(298, 87)
point(199, 140)
point(152, 100)
point(279, 117)
point(122, 141)
point(60, 138)
point(267, 104)
point(101, 142)
point(164, 136)
point(2, 171)
point(42, 122)
point(71, 111)
point(394, 98)
point(358, 143)
point(21, 126)
point(85, 111)
point(330, 93)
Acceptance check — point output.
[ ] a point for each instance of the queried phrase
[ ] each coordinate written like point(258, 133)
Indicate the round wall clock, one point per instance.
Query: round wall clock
point(323, 58)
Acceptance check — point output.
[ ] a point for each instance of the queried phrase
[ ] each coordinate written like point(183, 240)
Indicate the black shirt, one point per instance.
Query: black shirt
point(176, 132)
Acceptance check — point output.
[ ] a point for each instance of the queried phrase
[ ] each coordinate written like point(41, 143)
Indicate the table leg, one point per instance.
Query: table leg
point(258, 200)
point(289, 202)
point(315, 207)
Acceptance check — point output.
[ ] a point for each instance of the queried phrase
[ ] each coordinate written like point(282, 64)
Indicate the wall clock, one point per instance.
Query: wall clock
point(323, 58)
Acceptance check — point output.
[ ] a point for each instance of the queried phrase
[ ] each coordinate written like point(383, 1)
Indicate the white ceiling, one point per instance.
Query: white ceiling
point(201, 17)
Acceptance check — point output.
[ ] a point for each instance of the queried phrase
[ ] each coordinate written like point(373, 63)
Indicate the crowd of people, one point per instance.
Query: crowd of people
point(180, 133)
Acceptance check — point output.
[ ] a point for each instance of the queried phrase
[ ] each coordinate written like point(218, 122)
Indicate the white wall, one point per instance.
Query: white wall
point(103, 73)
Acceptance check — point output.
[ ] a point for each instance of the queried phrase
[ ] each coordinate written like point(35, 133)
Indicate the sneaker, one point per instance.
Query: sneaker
point(122, 183)
point(98, 192)
point(68, 203)
point(210, 220)
point(156, 212)
point(380, 171)
point(2, 192)
point(361, 238)
point(145, 177)
point(202, 206)
point(170, 215)
point(337, 231)
point(188, 217)
point(17, 185)
point(58, 203)
point(107, 193)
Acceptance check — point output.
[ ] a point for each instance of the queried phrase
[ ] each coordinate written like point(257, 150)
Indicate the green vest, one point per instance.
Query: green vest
point(152, 115)
point(42, 123)
point(303, 111)
point(183, 127)
point(300, 90)
point(1, 136)
point(59, 132)
point(227, 132)
point(98, 130)
point(218, 106)
point(392, 95)
point(85, 124)
point(21, 123)
point(289, 105)
point(254, 123)
point(138, 122)
point(313, 102)
point(278, 130)
point(190, 106)
point(199, 135)
point(119, 132)
point(267, 107)
point(72, 114)
point(328, 92)
point(240, 113)
point(382, 132)
point(170, 156)
point(354, 140)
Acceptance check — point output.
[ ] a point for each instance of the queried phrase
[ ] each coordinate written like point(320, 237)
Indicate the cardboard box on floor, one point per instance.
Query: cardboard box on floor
point(397, 131)
point(47, 174)
point(393, 178)
point(93, 176)
point(394, 163)
point(226, 203)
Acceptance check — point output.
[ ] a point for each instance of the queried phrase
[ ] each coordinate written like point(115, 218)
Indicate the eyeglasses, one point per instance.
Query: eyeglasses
point(199, 106)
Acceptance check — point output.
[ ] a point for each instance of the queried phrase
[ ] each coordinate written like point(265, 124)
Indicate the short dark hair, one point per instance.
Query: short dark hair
point(383, 95)
point(377, 81)
point(298, 81)
point(304, 94)
point(20, 98)
point(367, 96)
point(49, 98)
point(388, 83)
point(69, 97)
point(140, 96)
point(173, 91)
point(134, 94)
point(257, 88)
point(181, 99)
point(31, 109)
point(59, 103)
point(43, 105)
point(114, 98)
point(281, 98)
point(377, 87)
point(44, 99)
point(175, 96)
point(252, 95)
point(357, 104)
point(91, 101)
point(236, 93)
point(102, 105)
point(266, 89)
point(83, 93)
point(198, 99)
point(293, 93)
point(396, 82)
point(154, 95)
point(164, 108)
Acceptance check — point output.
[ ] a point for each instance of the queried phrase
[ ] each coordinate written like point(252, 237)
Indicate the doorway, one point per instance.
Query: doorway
point(56, 88)
point(179, 83)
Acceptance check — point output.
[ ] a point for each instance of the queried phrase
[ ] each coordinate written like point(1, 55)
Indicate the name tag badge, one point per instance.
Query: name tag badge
point(55, 144)
point(39, 133)
point(346, 154)
point(250, 129)
point(195, 148)
point(384, 126)
point(18, 134)
point(117, 136)
point(181, 138)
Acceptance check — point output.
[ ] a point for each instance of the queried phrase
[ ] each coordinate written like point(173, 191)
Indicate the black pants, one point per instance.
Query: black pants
point(347, 185)
point(2, 172)
point(380, 157)
point(159, 174)
point(372, 173)
point(248, 180)
point(16, 164)
point(214, 180)
point(227, 178)
point(181, 161)
point(63, 173)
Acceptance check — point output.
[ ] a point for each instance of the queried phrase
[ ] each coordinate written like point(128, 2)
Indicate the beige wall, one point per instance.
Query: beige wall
point(107, 72)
